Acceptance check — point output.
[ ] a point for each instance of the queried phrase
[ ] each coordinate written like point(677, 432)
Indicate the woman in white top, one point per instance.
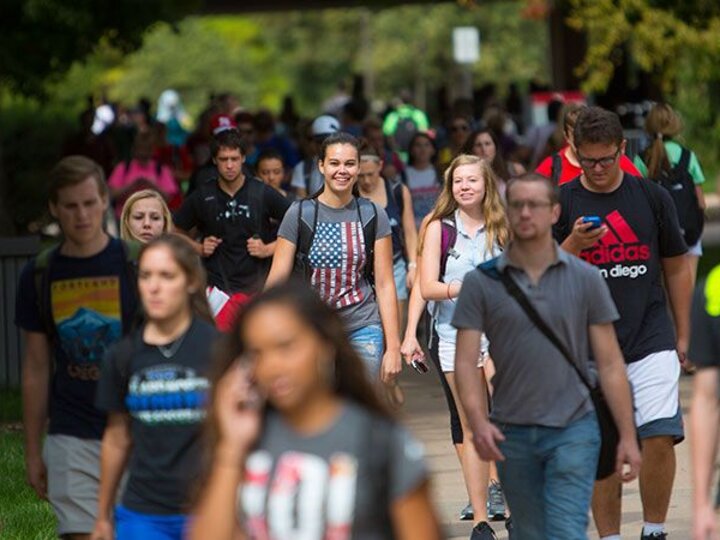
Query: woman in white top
point(469, 209)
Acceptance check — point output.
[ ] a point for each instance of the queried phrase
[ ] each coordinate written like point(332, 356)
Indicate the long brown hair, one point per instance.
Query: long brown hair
point(662, 123)
point(492, 206)
point(191, 265)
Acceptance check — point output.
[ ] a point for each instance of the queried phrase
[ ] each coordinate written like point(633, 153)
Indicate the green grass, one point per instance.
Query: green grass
point(22, 515)
point(10, 405)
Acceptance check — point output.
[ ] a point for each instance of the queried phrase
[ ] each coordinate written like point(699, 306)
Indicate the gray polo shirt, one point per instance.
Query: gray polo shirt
point(533, 384)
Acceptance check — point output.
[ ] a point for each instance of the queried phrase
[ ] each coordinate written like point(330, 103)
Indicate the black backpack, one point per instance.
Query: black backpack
point(307, 223)
point(679, 183)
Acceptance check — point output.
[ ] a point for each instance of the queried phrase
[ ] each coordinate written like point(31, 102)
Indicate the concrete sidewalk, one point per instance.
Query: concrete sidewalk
point(425, 413)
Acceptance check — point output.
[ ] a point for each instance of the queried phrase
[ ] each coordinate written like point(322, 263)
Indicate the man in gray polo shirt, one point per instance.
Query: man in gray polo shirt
point(543, 431)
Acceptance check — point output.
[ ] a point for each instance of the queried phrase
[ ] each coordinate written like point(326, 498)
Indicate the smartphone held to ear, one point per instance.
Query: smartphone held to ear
point(595, 222)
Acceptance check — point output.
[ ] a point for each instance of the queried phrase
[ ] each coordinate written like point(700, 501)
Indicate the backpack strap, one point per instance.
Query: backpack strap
point(448, 237)
point(369, 234)
point(306, 225)
point(256, 200)
point(684, 163)
point(41, 278)
point(652, 200)
point(556, 168)
point(396, 190)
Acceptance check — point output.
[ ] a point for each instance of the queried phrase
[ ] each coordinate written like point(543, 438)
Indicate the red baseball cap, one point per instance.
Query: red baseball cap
point(221, 122)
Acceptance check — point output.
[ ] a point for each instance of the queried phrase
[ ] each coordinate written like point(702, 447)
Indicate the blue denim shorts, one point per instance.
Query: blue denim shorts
point(369, 343)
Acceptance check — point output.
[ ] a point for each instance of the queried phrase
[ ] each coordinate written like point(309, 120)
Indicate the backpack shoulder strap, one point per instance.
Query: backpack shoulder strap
point(256, 200)
point(652, 199)
point(490, 269)
point(308, 210)
point(366, 207)
point(556, 168)
point(41, 278)
point(684, 163)
point(448, 237)
point(396, 190)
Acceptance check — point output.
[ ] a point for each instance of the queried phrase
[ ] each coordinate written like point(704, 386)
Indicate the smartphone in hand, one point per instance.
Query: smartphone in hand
point(595, 222)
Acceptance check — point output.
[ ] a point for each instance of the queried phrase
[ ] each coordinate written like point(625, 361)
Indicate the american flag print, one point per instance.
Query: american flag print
point(337, 258)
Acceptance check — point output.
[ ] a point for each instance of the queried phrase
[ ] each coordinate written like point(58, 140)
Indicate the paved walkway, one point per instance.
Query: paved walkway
point(425, 413)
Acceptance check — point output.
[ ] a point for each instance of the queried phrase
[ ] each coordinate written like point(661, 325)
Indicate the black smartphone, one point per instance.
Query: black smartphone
point(419, 366)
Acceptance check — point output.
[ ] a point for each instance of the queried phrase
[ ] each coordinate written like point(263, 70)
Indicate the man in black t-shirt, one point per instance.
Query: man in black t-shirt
point(231, 216)
point(73, 302)
point(634, 239)
point(705, 408)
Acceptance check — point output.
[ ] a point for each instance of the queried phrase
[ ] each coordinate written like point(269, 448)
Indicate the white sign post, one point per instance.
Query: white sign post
point(466, 44)
point(466, 52)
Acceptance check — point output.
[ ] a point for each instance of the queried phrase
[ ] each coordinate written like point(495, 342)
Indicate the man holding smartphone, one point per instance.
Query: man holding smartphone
point(638, 243)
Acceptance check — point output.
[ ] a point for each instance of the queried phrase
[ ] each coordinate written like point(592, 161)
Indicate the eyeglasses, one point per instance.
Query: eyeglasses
point(604, 162)
point(533, 206)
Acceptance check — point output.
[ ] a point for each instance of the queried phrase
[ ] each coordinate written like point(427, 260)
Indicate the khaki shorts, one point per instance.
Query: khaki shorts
point(73, 470)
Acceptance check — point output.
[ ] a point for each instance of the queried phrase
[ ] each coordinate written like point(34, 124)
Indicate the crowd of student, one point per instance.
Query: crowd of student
point(228, 366)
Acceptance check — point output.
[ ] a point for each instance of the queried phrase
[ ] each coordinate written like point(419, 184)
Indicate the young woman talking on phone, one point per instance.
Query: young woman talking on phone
point(322, 458)
point(153, 386)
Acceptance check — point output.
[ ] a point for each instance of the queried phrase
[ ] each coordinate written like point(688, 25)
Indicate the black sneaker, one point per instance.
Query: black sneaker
point(495, 502)
point(483, 531)
point(509, 527)
point(467, 514)
point(653, 536)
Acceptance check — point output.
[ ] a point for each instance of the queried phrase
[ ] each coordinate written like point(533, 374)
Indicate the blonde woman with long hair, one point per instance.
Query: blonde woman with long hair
point(144, 217)
point(467, 227)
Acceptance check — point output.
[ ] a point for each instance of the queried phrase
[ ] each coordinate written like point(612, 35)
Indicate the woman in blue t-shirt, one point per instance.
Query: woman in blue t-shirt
point(323, 459)
point(326, 241)
point(153, 386)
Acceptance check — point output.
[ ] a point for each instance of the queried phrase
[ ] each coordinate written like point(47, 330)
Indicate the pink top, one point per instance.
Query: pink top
point(123, 176)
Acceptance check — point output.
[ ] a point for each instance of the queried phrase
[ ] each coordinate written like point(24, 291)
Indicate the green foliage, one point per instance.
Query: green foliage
point(31, 139)
point(659, 40)
point(22, 515)
point(40, 39)
point(261, 58)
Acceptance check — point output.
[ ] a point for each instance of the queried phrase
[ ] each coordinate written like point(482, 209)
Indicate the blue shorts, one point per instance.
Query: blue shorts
point(131, 524)
point(369, 343)
point(400, 275)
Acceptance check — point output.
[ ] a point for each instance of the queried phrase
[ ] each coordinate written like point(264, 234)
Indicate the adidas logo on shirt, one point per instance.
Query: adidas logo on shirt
point(620, 245)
